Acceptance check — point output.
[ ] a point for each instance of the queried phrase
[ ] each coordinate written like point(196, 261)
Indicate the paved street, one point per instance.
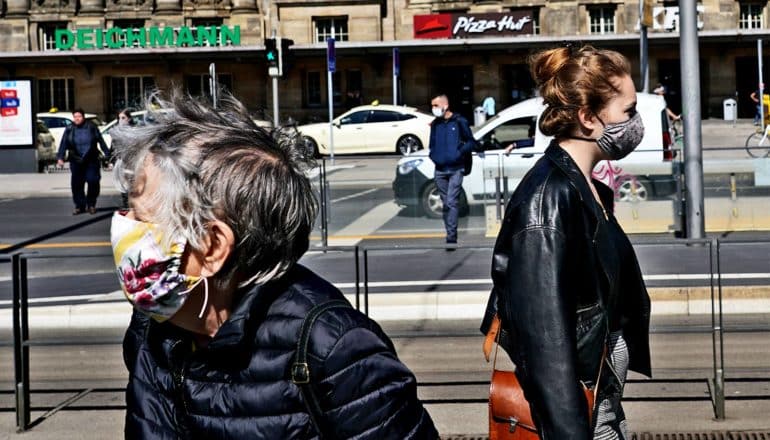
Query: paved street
point(76, 297)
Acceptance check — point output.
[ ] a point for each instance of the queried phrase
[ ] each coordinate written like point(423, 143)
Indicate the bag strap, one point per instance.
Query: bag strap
point(493, 337)
point(300, 372)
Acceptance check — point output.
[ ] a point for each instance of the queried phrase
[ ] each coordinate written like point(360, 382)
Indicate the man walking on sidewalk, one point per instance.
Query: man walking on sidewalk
point(83, 146)
point(451, 145)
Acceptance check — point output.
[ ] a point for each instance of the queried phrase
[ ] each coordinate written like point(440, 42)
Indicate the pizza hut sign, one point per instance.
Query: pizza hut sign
point(473, 25)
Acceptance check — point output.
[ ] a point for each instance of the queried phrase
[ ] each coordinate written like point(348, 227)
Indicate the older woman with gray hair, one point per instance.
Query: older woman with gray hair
point(231, 338)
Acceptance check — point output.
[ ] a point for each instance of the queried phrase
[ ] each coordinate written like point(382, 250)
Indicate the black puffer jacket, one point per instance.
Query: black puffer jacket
point(239, 387)
point(554, 267)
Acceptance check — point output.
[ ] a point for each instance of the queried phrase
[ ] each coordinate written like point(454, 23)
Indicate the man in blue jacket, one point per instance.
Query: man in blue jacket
point(83, 146)
point(451, 145)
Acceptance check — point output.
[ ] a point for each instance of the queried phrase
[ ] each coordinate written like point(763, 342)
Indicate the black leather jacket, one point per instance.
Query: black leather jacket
point(553, 268)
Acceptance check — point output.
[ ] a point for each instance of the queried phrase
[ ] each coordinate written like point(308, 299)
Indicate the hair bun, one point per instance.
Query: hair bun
point(547, 64)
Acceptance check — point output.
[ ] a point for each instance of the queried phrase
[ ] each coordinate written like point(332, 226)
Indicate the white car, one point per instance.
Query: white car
point(57, 121)
point(371, 129)
point(645, 173)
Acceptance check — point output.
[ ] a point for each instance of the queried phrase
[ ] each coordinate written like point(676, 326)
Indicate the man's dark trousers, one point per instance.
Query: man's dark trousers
point(449, 184)
point(82, 173)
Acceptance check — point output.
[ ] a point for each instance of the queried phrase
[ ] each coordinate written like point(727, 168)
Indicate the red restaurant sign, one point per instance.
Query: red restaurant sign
point(473, 25)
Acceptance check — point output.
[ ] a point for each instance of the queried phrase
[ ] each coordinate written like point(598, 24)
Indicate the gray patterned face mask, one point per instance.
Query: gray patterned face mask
point(620, 139)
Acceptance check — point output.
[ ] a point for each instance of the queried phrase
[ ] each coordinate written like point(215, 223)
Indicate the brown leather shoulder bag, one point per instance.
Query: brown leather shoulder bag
point(510, 417)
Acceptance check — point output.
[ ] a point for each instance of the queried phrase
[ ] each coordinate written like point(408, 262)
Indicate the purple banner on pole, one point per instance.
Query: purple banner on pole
point(331, 58)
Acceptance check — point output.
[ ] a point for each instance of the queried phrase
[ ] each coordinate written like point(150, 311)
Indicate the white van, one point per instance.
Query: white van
point(645, 173)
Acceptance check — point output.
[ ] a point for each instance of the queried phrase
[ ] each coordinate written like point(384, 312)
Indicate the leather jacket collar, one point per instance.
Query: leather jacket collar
point(567, 165)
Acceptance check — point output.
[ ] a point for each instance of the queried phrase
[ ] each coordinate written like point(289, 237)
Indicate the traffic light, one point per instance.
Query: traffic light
point(285, 58)
point(273, 57)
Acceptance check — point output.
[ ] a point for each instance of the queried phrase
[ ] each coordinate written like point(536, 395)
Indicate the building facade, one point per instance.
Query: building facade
point(104, 55)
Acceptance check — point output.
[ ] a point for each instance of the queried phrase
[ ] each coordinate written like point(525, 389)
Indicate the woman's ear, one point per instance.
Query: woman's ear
point(588, 121)
point(220, 243)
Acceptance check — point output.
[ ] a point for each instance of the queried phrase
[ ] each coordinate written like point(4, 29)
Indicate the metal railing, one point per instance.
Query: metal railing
point(22, 341)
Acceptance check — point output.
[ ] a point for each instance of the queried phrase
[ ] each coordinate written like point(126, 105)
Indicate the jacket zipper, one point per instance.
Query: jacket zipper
point(179, 375)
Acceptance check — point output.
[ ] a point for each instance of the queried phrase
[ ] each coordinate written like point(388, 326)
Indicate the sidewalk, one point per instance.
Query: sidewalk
point(469, 420)
point(459, 421)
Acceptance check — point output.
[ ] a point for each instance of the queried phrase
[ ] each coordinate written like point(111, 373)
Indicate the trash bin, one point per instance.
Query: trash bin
point(730, 109)
point(479, 116)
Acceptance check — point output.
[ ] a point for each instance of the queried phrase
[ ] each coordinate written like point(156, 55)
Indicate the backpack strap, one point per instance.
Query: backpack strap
point(300, 372)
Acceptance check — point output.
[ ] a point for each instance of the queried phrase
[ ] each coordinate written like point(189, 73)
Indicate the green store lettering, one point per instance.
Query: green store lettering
point(117, 38)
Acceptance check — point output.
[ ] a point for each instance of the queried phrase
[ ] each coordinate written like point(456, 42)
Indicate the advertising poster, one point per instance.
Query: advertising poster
point(16, 113)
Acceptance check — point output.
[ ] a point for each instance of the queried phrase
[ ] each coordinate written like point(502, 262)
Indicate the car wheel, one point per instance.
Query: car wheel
point(408, 144)
point(310, 146)
point(432, 207)
point(632, 189)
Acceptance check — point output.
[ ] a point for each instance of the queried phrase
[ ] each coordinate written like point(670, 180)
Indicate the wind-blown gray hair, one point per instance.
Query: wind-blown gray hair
point(218, 164)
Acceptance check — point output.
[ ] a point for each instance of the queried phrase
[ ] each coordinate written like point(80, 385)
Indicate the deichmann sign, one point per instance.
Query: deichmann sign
point(473, 25)
point(116, 38)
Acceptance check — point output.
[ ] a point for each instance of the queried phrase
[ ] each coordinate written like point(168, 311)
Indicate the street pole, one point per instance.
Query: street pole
point(275, 102)
point(693, 147)
point(330, 92)
point(213, 83)
point(396, 72)
point(644, 63)
point(276, 110)
point(331, 67)
point(761, 87)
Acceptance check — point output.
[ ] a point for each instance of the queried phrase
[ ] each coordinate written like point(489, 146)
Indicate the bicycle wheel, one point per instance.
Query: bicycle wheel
point(758, 145)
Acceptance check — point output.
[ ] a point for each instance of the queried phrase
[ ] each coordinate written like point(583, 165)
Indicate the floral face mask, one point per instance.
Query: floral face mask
point(148, 269)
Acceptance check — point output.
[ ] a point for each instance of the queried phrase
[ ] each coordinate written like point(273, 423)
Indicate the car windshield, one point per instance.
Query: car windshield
point(489, 121)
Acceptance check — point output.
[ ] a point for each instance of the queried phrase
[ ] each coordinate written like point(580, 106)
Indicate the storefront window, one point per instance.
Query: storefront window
point(601, 20)
point(313, 89)
point(337, 89)
point(751, 16)
point(56, 92)
point(129, 91)
point(46, 34)
point(205, 22)
point(198, 85)
point(330, 27)
point(134, 25)
point(535, 14)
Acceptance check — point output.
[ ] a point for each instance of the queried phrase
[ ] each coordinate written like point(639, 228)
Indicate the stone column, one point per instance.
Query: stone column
point(17, 7)
point(92, 6)
point(168, 5)
point(244, 6)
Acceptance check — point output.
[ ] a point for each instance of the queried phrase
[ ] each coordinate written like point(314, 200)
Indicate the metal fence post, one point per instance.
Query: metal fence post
point(20, 337)
point(366, 282)
point(358, 283)
point(322, 191)
point(717, 335)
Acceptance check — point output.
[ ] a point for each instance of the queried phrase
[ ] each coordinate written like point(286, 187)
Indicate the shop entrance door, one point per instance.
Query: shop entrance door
point(457, 83)
point(670, 75)
point(747, 81)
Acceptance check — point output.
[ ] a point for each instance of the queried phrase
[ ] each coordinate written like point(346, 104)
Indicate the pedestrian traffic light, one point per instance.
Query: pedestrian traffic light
point(273, 57)
point(285, 58)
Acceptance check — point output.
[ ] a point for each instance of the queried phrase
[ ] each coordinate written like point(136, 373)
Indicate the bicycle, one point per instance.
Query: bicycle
point(758, 143)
